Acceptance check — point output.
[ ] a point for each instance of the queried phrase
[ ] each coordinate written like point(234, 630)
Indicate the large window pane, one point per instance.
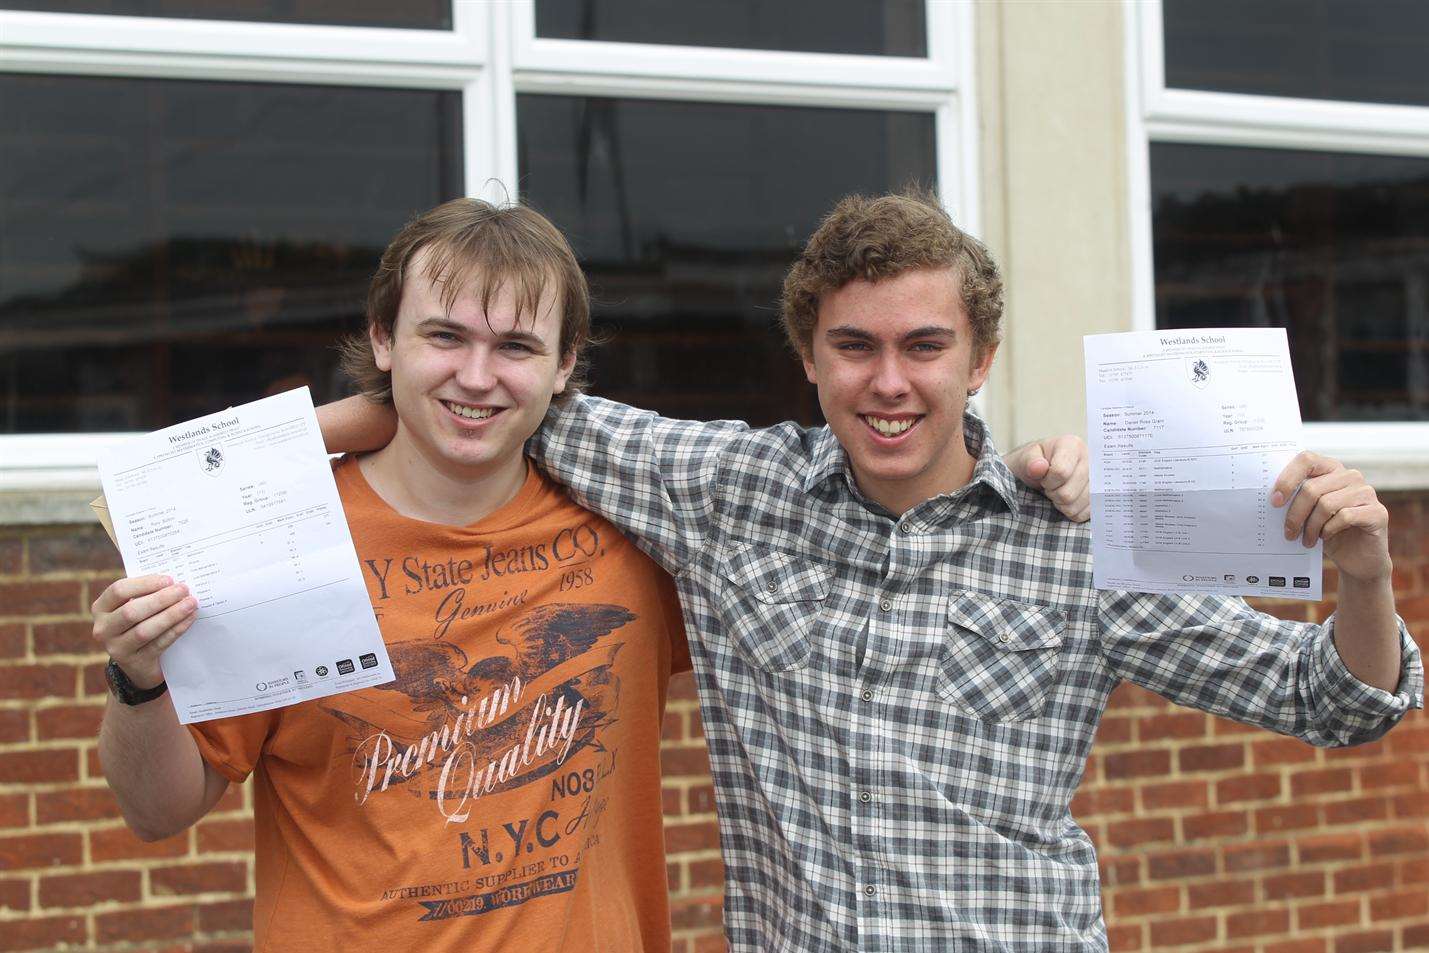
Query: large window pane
point(419, 14)
point(872, 27)
point(168, 248)
point(686, 217)
point(1335, 248)
point(1374, 51)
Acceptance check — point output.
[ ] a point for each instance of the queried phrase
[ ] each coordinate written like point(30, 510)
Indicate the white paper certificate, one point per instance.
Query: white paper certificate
point(1189, 430)
point(241, 506)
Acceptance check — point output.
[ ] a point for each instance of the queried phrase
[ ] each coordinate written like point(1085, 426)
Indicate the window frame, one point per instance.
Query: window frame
point(490, 55)
point(1393, 455)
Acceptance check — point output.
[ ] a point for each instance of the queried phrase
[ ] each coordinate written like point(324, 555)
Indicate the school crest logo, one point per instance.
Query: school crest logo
point(1200, 373)
point(212, 461)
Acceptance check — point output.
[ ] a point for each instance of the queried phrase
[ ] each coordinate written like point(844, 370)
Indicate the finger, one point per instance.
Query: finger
point(1369, 517)
point(170, 636)
point(1310, 497)
point(1068, 460)
point(1297, 471)
point(1072, 495)
point(122, 590)
point(159, 623)
point(1331, 503)
point(135, 612)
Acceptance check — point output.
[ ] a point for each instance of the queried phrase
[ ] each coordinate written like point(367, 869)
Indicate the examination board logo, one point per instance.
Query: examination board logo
point(1200, 372)
point(212, 460)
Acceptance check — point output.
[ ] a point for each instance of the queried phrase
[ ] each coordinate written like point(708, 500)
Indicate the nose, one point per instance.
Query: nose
point(889, 379)
point(476, 371)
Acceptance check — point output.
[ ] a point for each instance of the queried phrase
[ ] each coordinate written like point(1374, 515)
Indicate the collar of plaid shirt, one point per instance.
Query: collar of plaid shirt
point(898, 712)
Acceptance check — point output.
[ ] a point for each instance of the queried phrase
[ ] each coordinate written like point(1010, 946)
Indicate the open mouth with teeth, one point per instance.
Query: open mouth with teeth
point(467, 412)
point(890, 427)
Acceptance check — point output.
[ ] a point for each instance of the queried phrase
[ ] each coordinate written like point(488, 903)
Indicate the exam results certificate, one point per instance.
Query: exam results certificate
point(241, 506)
point(1189, 430)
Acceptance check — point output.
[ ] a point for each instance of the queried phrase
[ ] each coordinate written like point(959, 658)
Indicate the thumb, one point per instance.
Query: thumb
point(1037, 464)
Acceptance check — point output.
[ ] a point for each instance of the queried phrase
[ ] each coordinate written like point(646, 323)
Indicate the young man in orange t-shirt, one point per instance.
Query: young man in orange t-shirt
point(504, 790)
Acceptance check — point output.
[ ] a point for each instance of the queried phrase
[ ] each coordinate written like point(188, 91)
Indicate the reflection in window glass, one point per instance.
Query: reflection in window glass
point(170, 248)
point(419, 14)
point(870, 27)
point(686, 216)
point(1373, 51)
point(1333, 247)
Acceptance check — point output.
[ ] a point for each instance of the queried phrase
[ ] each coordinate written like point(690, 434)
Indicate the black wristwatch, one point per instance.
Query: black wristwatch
point(125, 691)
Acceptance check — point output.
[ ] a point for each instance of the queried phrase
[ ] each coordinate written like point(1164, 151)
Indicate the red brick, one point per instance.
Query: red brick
point(1374, 777)
point(673, 728)
point(1137, 764)
point(85, 890)
point(1183, 931)
point(1257, 923)
point(685, 762)
point(1367, 877)
point(692, 913)
point(1215, 824)
point(39, 850)
point(1119, 871)
point(1248, 787)
point(1174, 865)
point(1270, 820)
point(40, 765)
point(672, 802)
point(1357, 811)
point(65, 638)
point(232, 800)
point(1336, 847)
point(1416, 937)
point(40, 598)
point(1174, 794)
point(14, 642)
point(701, 798)
point(92, 682)
point(1220, 893)
point(1414, 871)
point(1224, 727)
point(1127, 695)
point(1124, 938)
point(216, 836)
point(75, 804)
point(68, 721)
point(1278, 751)
point(155, 923)
point(12, 556)
point(1256, 856)
point(1318, 916)
point(682, 688)
point(14, 810)
point(706, 873)
point(1327, 781)
point(15, 895)
point(74, 551)
point(43, 933)
point(1176, 724)
point(117, 843)
point(1114, 731)
point(1411, 805)
point(1399, 906)
point(1097, 801)
point(213, 877)
point(229, 916)
point(1312, 945)
point(37, 681)
point(14, 725)
point(1147, 831)
point(1140, 903)
point(1377, 941)
point(1211, 757)
point(1294, 886)
point(1402, 840)
point(685, 837)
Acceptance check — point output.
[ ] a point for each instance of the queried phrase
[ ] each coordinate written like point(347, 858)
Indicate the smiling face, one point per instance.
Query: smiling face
point(894, 362)
point(470, 386)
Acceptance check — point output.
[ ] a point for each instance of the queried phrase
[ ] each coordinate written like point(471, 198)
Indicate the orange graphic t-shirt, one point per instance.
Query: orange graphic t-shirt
point(503, 792)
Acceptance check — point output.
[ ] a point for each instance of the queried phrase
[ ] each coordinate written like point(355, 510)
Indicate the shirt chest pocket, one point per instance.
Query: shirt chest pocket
point(772, 602)
point(1000, 657)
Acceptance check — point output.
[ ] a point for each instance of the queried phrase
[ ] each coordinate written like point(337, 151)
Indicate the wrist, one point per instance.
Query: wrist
point(131, 691)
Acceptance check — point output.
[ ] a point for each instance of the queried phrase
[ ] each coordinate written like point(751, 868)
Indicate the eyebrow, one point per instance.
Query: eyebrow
point(928, 331)
point(518, 336)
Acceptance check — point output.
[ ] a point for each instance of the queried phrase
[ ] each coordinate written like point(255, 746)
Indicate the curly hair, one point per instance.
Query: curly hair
point(872, 238)
point(475, 244)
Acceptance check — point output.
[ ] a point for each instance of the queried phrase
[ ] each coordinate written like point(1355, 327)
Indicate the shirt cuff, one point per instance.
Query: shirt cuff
point(1345, 692)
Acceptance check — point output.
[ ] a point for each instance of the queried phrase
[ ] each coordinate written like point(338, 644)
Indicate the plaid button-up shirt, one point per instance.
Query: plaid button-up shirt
point(899, 710)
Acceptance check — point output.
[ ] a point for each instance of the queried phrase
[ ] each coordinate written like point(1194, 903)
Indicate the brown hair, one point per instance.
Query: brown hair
point(475, 241)
point(873, 238)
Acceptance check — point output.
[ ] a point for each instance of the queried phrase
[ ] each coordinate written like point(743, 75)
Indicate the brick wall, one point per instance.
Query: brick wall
point(1212, 837)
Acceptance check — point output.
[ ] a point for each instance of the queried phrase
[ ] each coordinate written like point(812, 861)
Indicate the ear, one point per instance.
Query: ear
point(982, 364)
point(563, 371)
point(381, 347)
point(807, 356)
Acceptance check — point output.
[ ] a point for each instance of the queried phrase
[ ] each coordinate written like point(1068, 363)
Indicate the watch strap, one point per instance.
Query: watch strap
point(125, 691)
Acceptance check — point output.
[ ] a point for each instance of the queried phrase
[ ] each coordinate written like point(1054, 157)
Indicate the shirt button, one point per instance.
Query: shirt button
point(905, 527)
point(772, 587)
point(870, 889)
point(866, 695)
point(1005, 637)
point(865, 797)
point(886, 605)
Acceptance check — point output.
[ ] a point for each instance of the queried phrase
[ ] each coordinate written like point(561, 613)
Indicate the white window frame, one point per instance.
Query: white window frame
point(1392, 455)
point(490, 55)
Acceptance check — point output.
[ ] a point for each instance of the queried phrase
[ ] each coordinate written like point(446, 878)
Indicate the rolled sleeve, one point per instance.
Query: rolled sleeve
point(1365, 711)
